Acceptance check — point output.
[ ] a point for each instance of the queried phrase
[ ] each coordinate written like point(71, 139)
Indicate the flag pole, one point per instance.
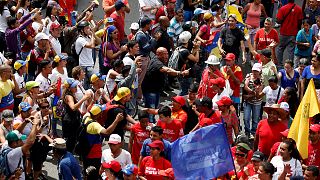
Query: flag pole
point(225, 132)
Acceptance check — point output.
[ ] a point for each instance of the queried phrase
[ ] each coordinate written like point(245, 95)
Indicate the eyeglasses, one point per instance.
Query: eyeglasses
point(240, 154)
point(45, 107)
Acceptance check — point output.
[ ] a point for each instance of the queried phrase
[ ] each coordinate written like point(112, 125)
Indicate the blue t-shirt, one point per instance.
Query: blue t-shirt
point(286, 82)
point(302, 36)
point(68, 167)
point(306, 74)
point(145, 150)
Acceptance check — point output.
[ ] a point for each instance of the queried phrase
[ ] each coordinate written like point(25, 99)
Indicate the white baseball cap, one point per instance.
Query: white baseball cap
point(41, 36)
point(285, 106)
point(114, 139)
point(257, 67)
point(213, 60)
point(184, 37)
point(134, 26)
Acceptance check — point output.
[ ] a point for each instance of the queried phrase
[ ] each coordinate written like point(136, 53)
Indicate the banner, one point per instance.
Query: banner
point(299, 130)
point(203, 154)
point(212, 46)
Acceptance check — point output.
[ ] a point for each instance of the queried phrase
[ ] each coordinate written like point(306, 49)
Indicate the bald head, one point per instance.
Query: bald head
point(162, 54)
point(164, 21)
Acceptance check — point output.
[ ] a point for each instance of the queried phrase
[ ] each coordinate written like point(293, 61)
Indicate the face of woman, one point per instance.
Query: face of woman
point(273, 116)
point(306, 27)
point(114, 34)
point(284, 152)
point(232, 22)
point(241, 156)
point(45, 107)
point(27, 3)
point(35, 90)
point(154, 152)
point(256, 74)
point(288, 67)
point(315, 62)
point(262, 174)
point(73, 90)
point(82, 75)
point(55, 11)
point(192, 96)
point(63, 63)
point(267, 25)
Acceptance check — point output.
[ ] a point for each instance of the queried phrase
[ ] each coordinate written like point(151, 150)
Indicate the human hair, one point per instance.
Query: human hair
point(273, 79)
point(2, 5)
point(165, 111)
point(4, 67)
point(142, 114)
point(288, 61)
point(49, 11)
point(314, 170)
point(91, 173)
point(157, 129)
point(118, 175)
point(131, 44)
point(290, 1)
point(178, 11)
point(292, 149)
point(303, 61)
point(306, 21)
point(117, 63)
point(76, 72)
point(60, 152)
point(11, 21)
point(215, 7)
point(194, 88)
point(125, 69)
point(318, 57)
point(268, 168)
point(292, 101)
point(23, 3)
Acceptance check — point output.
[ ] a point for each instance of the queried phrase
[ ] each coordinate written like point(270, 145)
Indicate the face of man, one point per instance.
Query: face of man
point(115, 147)
point(179, 17)
point(56, 32)
point(155, 136)
point(308, 175)
point(314, 136)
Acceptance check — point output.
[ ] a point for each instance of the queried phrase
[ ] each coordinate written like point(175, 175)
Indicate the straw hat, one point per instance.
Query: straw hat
point(275, 107)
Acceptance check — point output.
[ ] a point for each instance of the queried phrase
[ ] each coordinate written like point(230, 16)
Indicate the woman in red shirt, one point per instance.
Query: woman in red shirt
point(151, 165)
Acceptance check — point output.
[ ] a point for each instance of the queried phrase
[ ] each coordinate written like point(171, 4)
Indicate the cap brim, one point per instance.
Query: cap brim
point(285, 134)
point(255, 159)
point(8, 119)
point(26, 108)
point(23, 137)
point(127, 172)
point(103, 77)
point(208, 62)
point(117, 98)
point(113, 142)
point(106, 165)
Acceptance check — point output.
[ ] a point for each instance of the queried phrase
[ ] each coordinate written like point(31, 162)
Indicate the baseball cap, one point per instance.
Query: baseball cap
point(41, 36)
point(130, 169)
point(198, 11)
point(54, 26)
point(119, 4)
point(257, 156)
point(24, 106)
point(257, 67)
point(184, 37)
point(244, 146)
point(71, 83)
point(213, 60)
point(114, 139)
point(180, 100)
point(207, 15)
point(95, 77)
point(31, 84)
point(7, 115)
point(15, 135)
point(59, 143)
point(97, 108)
point(224, 101)
point(315, 127)
point(285, 106)
point(108, 20)
point(285, 133)
point(220, 82)
point(266, 52)
point(171, 1)
point(167, 173)
point(59, 57)
point(114, 165)
point(18, 64)
point(230, 57)
point(121, 93)
point(157, 144)
point(134, 26)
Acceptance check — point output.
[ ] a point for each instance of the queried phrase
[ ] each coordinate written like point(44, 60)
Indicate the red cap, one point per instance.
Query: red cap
point(54, 26)
point(171, 1)
point(167, 173)
point(285, 133)
point(157, 144)
point(220, 82)
point(315, 127)
point(230, 57)
point(180, 100)
point(114, 165)
point(205, 122)
point(224, 101)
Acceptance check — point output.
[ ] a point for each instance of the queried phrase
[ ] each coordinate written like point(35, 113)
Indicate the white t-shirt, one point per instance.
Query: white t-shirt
point(124, 158)
point(151, 3)
point(56, 75)
point(21, 83)
point(36, 26)
point(278, 163)
point(23, 11)
point(110, 84)
point(85, 57)
point(3, 19)
point(55, 44)
point(271, 95)
point(44, 83)
point(217, 97)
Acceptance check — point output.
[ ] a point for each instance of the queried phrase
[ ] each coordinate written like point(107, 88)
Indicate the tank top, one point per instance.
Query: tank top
point(253, 17)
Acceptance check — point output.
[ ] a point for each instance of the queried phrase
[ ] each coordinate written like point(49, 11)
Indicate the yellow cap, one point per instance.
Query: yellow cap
point(97, 108)
point(32, 84)
point(18, 64)
point(207, 15)
point(121, 93)
point(95, 77)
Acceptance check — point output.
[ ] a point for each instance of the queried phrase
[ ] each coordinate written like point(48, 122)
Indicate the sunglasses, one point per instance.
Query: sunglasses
point(240, 154)
point(44, 107)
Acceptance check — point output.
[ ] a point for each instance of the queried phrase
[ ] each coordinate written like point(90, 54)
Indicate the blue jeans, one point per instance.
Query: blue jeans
point(255, 110)
point(187, 15)
point(151, 100)
point(185, 84)
point(285, 42)
point(89, 71)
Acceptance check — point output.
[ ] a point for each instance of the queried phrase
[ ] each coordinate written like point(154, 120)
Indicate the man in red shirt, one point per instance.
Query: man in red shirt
point(177, 111)
point(108, 7)
point(139, 133)
point(166, 10)
point(233, 73)
point(314, 146)
point(290, 17)
point(119, 19)
point(172, 128)
point(269, 130)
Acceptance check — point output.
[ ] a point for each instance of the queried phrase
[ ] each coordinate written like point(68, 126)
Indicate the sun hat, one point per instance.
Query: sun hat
point(121, 93)
point(59, 143)
point(213, 60)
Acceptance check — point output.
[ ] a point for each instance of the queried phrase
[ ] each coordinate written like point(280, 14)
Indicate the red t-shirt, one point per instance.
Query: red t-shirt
point(149, 168)
point(263, 39)
point(26, 46)
point(205, 33)
point(313, 154)
point(275, 148)
point(181, 116)
point(289, 27)
point(238, 73)
point(215, 117)
point(233, 152)
point(204, 87)
point(171, 131)
point(106, 3)
point(268, 134)
point(139, 136)
point(119, 24)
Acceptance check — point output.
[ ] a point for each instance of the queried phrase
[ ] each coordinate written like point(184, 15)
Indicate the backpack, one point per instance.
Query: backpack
point(60, 109)
point(4, 165)
point(74, 53)
point(174, 58)
point(83, 146)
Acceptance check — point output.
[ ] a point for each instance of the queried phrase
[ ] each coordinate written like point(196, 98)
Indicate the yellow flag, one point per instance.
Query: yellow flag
point(299, 130)
point(234, 10)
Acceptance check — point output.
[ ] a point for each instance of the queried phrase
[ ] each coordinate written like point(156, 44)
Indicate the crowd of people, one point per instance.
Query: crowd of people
point(48, 58)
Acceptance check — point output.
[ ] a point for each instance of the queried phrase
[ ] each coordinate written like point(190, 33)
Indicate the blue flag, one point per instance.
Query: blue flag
point(203, 154)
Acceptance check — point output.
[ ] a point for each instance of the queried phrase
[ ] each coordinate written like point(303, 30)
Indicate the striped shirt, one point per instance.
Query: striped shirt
point(174, 29)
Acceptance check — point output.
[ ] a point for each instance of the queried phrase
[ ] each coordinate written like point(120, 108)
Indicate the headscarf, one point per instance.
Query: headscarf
point(110, 30)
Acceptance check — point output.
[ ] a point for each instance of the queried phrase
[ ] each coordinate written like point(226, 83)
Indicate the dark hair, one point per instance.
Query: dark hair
point(157, 129)
point(131, 44)
point(165, 111)
point(49, 11)
point(2, 5)
point(273, 79)
point(117, 63)
point(290, 1)
point(268, 168)
point(306, 21)
point(142, 114)
point(215, 7)
point(125, 69)
point(11, 21)
point(23, 3)
point(314, 169)
point(43, 64)
point(179, 11)
point(288, 61)
point(194, 88)
point(60, 152)
point(292, 147)
point(118, 175)
point(318, 57)
point(293, 100)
